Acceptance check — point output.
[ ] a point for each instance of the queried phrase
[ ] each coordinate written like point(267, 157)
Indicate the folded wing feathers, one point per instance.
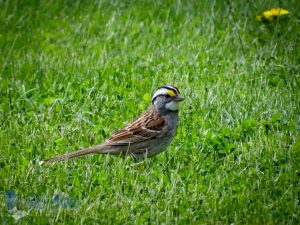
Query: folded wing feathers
point(146, 127)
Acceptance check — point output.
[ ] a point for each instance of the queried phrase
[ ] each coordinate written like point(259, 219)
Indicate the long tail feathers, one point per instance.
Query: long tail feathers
point(71, 155)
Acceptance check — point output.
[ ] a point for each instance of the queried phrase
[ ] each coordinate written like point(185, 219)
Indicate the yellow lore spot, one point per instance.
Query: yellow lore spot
point(171, 93)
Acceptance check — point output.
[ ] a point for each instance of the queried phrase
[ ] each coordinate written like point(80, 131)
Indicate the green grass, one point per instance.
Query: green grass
point(74, 72)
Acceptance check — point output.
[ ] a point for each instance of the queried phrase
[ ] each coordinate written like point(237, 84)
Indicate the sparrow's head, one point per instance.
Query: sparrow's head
point(167, 98)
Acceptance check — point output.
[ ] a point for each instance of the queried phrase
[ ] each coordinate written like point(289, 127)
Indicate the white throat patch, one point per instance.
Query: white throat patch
point(173, 106)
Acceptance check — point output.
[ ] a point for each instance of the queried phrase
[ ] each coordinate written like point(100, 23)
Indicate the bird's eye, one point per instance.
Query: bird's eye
point(168, 96)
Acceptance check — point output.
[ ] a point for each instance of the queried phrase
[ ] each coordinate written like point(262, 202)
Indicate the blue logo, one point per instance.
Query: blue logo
point(35, 202)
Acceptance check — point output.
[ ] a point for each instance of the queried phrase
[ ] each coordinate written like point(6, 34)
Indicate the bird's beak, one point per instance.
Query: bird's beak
point(179, 98)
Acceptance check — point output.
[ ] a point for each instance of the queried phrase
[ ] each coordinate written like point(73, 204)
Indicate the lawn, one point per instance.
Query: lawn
point(73, 72)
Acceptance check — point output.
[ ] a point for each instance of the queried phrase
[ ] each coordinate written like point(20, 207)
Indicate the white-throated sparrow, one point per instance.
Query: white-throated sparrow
point(147, 135)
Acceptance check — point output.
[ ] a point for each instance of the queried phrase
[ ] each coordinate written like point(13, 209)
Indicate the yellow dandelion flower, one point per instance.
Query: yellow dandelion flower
point(270, 15)
point(279, 12)
point(267, 16)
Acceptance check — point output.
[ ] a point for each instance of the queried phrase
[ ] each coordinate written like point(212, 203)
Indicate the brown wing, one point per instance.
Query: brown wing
point(147, 126)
